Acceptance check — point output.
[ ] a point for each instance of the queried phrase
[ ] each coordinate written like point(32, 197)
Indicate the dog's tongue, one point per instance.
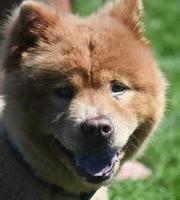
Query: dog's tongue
point(96, 165)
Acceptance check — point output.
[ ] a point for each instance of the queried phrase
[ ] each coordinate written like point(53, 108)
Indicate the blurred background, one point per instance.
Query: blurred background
point(162, 19)
point(162, 22)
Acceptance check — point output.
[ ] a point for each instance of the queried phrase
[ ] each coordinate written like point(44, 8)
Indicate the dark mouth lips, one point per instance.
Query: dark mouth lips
point(96, 167)
point(99, 179)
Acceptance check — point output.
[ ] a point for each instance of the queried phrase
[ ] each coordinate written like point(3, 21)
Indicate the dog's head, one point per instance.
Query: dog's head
point(89, 88)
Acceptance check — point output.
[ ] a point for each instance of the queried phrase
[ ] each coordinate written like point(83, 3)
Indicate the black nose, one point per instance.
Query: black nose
point(99, 127)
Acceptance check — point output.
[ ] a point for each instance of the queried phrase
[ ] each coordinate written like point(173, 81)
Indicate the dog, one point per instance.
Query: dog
point(81, 95)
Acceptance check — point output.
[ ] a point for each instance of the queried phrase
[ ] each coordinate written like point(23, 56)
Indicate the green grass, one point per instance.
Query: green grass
point(84, 7)
point(163, 154)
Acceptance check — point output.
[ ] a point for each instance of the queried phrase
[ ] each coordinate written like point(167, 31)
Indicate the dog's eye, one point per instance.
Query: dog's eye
point(65, 92)
point(118, 89)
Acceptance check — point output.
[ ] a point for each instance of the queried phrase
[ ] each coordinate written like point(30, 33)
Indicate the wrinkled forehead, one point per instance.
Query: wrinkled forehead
point(95, 50)
point(99, 45)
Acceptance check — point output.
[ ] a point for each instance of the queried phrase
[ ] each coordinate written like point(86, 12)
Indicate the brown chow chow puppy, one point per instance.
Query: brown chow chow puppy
point(81, 95)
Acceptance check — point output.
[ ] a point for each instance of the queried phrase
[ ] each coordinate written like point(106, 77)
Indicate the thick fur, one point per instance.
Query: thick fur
point(44, 50)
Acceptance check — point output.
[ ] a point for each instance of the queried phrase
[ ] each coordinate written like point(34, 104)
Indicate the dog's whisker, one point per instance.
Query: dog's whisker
point(136, 139)
point(131, 144)
point(58, 117)
point(52, 143)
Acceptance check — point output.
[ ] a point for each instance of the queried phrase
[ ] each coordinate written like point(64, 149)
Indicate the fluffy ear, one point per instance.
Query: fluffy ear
point(31, 22)
point(35, 18)
point(128, 12)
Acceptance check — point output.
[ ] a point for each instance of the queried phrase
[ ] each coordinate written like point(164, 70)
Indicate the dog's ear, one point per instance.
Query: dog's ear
point(128, 12)
point(33, 22)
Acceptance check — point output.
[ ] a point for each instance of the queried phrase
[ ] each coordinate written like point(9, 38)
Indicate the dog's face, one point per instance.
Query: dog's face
point(91, 86)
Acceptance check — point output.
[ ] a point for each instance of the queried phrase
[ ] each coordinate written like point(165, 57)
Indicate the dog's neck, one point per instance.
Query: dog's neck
point(58, 191)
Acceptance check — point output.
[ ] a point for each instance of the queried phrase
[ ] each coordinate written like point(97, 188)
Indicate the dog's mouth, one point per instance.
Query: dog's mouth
point(93, 167)
point(96, 167)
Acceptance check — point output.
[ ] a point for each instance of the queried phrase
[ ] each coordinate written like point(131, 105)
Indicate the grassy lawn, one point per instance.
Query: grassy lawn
point(163, 155)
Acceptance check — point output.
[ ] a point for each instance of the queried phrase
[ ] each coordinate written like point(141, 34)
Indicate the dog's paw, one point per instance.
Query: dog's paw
point(101, 194)
point(133, 170)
